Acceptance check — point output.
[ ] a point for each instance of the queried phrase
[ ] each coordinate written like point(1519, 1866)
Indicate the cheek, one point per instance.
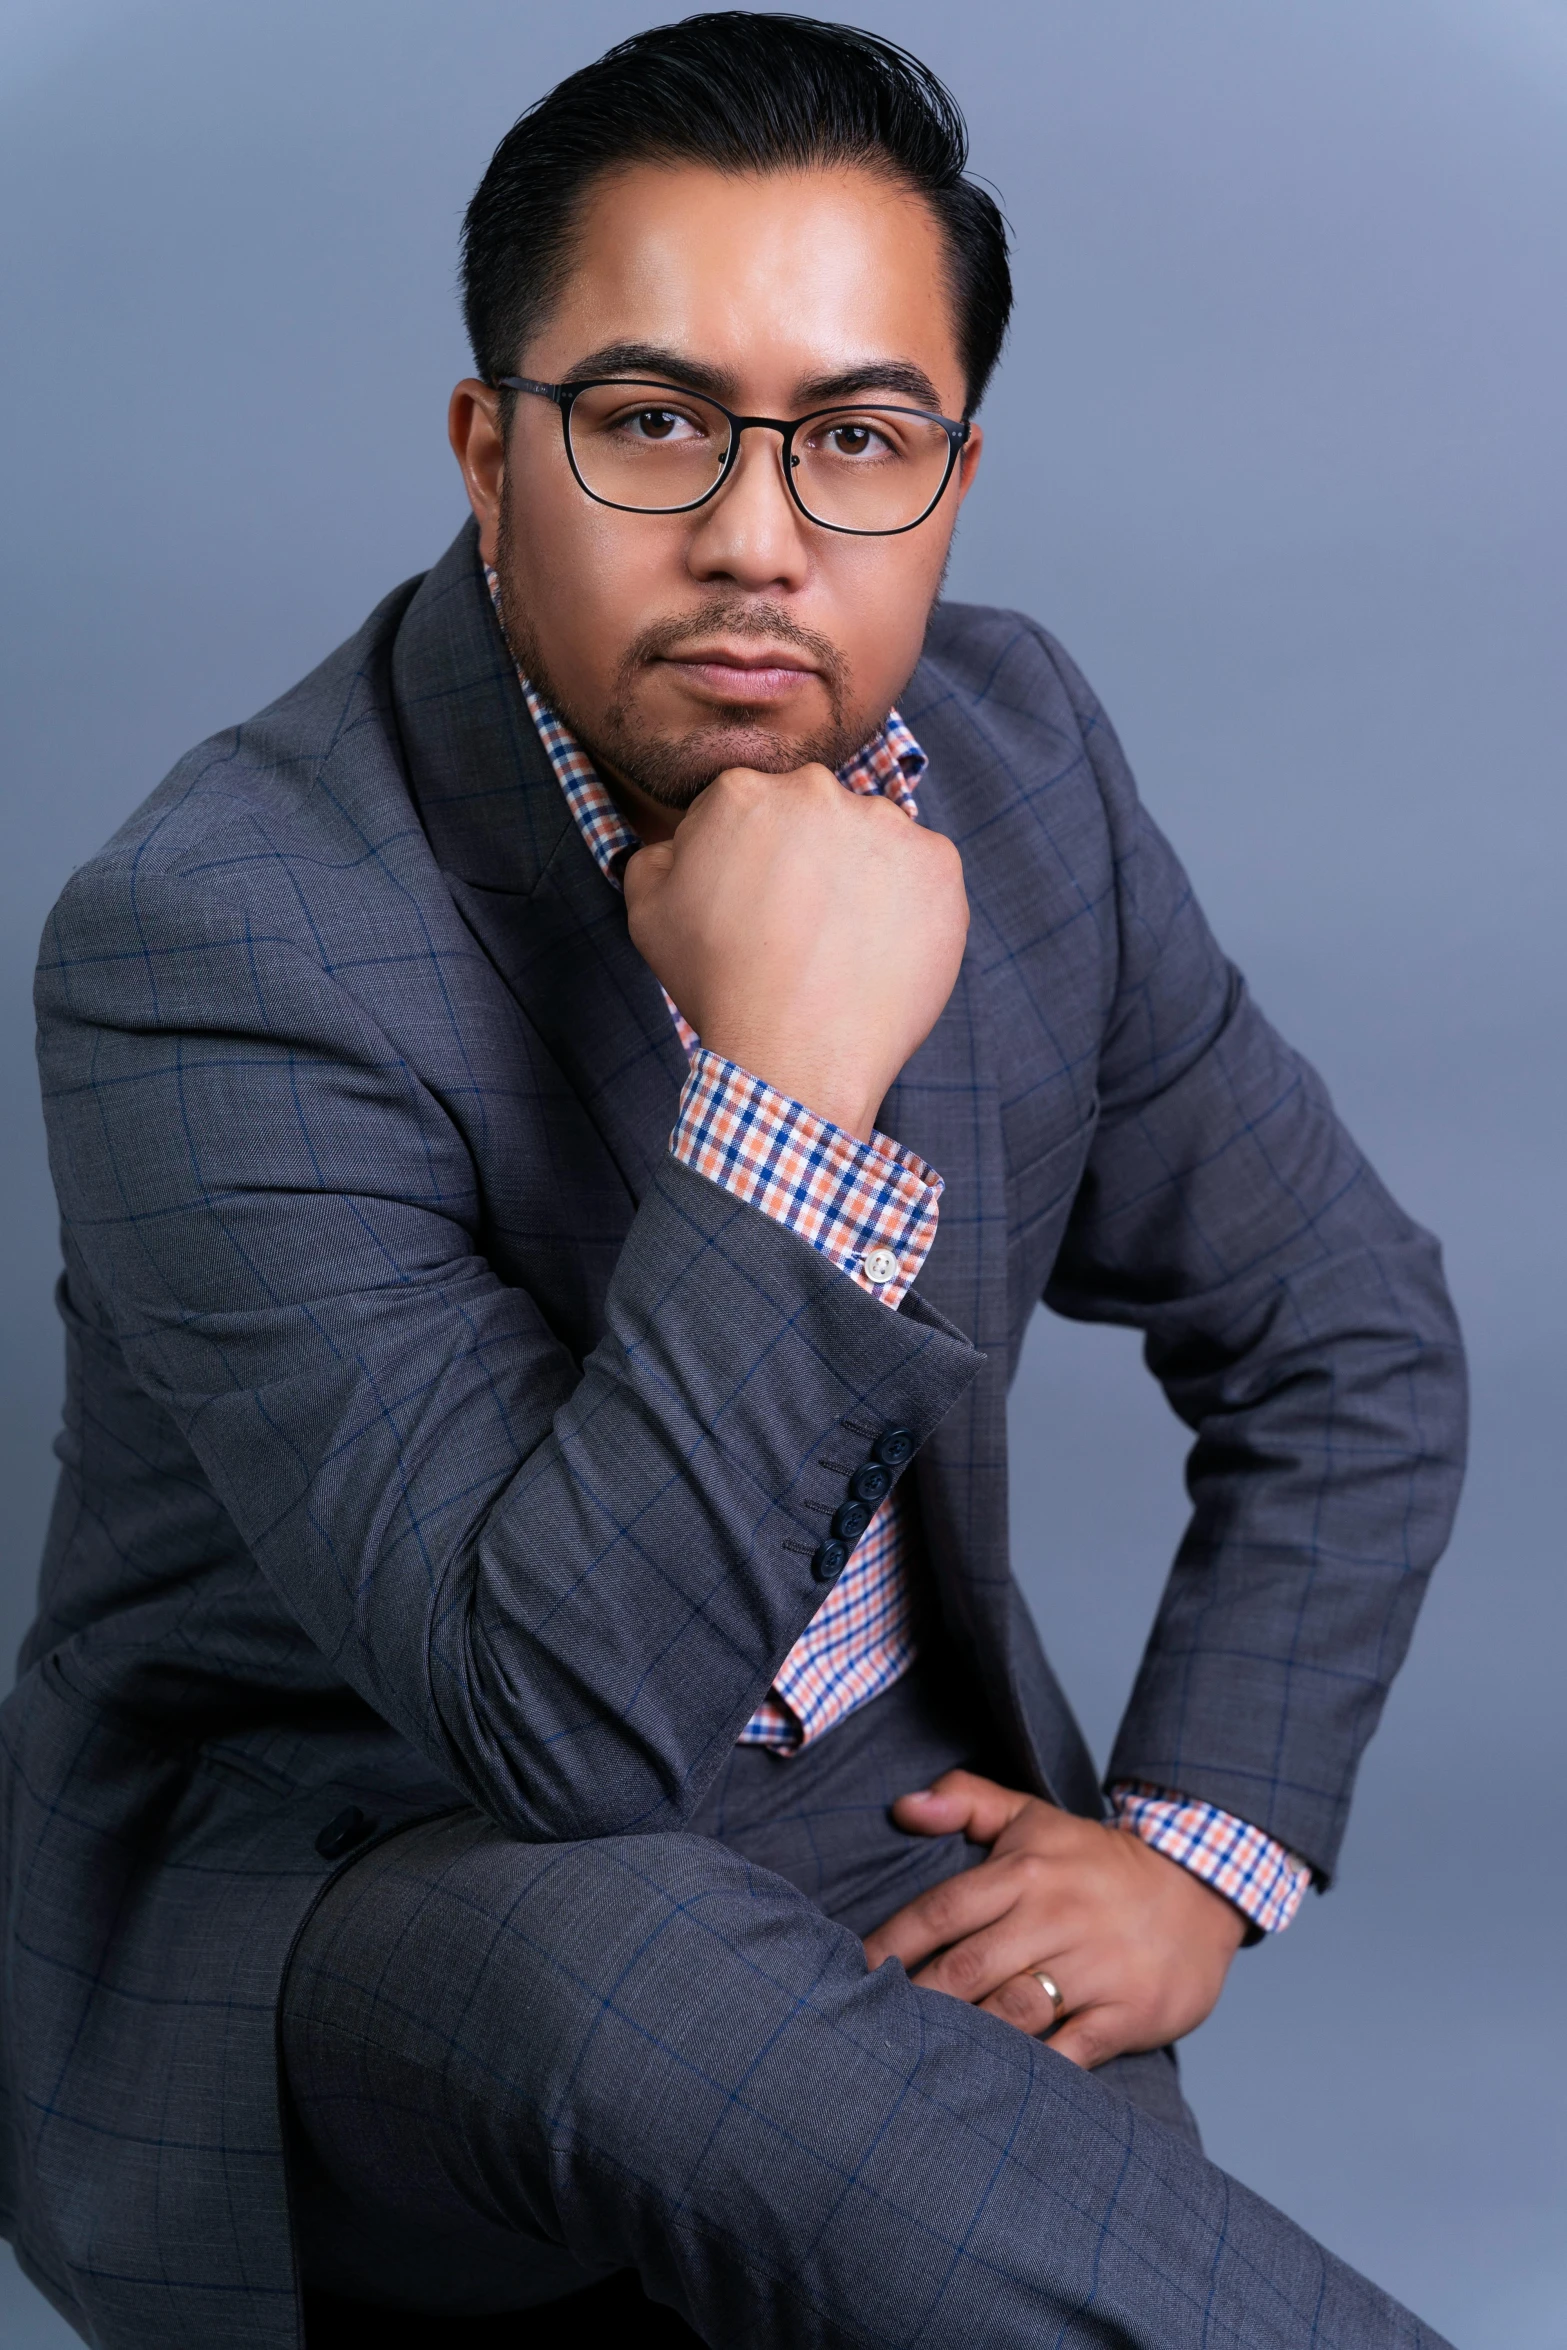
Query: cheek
point(883, 598)
point(586, 583)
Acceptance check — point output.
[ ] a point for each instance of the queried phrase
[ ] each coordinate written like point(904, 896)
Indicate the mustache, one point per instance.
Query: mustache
point(738, 618)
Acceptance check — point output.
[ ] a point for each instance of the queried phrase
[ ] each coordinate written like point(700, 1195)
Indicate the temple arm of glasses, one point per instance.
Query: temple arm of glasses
point(525, 383)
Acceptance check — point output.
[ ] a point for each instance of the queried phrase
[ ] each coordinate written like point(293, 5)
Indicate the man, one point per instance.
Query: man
point(560, 1125)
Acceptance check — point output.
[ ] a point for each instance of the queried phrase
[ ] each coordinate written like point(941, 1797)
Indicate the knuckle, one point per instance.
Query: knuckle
point(963, 1970)
point(938, 1911)
point(1020, 2001)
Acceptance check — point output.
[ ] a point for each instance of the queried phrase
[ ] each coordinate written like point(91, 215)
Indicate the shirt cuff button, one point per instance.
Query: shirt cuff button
point(881, 1266)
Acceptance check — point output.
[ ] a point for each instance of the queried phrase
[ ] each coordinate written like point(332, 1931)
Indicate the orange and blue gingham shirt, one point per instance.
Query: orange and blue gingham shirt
point(871, 1207)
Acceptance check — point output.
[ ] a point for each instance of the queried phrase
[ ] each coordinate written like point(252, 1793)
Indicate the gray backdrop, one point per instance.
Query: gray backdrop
point(1278, 451)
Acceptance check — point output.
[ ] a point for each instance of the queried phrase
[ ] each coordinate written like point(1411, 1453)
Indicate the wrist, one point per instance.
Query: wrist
point(1226, 1924)
point(1206, 1914)
point(1260, 1879)
point(838, 1096)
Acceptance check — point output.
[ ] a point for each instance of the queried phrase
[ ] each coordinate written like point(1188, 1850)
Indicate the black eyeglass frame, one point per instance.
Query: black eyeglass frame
point(565, 396)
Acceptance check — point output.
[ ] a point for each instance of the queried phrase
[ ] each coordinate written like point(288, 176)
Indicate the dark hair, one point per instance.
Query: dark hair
point(739, 92)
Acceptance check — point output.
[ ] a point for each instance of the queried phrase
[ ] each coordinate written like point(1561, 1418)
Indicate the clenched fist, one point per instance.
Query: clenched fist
point(809, 933)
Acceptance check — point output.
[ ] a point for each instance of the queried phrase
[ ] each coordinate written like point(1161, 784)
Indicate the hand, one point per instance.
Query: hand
point(809, 933)
point(1137, 1946)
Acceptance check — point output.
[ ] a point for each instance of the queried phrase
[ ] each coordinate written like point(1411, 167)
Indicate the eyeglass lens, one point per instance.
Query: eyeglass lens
point(858, 468)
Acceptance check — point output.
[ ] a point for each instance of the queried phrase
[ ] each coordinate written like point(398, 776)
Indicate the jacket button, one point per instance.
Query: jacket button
point(871, 1483)
point(350, 1827)
point(893, 1447)
point(850, 1520)
point(829, 1559)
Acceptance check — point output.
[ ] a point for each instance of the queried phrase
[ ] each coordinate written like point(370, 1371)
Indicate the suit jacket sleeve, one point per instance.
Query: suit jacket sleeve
point(1300, 1326)
point(567, 1583)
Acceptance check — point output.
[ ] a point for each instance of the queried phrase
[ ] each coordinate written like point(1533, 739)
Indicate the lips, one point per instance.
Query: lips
point(751, 674)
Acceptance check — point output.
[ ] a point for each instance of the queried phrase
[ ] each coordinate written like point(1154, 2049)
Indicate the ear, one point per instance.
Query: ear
point(968, 463)
point(474, 429)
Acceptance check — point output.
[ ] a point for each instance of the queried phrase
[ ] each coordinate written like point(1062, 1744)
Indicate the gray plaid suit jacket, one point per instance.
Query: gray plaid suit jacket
point(431, 1438)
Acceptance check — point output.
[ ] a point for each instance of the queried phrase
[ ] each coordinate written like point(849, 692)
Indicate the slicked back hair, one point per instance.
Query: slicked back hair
point(738, 93)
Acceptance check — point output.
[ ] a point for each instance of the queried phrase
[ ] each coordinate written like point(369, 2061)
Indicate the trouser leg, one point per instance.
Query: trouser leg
point(649, 2052)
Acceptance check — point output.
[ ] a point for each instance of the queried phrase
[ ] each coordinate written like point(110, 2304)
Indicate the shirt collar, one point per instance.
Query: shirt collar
point(890, 764)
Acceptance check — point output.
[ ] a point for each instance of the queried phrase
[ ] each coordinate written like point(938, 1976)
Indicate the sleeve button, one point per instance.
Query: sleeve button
point(850, 1520)
point(893, 1447)
point(881, 1266)
point(829, 1559)
point(871, 1483)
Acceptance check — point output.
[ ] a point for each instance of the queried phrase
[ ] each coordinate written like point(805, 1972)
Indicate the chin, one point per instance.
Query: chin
point(676, 769)
point(747, 746)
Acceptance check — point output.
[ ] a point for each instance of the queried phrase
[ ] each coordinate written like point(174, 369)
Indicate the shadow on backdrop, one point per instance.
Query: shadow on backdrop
point(1287, 474)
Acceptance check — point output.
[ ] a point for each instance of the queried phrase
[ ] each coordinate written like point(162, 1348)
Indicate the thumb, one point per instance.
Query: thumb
point(960, 1801)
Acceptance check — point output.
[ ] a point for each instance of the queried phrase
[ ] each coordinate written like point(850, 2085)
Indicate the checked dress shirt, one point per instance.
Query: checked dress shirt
point(870, 1207)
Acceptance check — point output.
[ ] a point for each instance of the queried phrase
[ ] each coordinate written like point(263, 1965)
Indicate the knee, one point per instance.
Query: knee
point(548, 1972)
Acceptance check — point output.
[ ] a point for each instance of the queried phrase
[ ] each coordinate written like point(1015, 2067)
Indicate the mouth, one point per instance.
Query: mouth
point(741, 673)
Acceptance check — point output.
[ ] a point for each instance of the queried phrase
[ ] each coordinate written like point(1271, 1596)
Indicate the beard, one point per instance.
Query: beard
point(673, 768)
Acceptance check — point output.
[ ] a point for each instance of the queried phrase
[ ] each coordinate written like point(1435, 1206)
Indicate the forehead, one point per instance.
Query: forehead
point(785, 275)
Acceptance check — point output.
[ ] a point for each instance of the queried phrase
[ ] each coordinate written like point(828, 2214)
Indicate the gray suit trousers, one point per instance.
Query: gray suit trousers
point(515, 2068)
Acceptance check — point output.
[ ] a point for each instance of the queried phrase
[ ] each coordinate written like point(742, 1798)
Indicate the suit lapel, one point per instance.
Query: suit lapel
point(520, 873)
point(565, 955)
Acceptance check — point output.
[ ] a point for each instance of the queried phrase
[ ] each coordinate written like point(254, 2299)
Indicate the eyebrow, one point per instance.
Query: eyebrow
point(817, 391)
point(884, 375)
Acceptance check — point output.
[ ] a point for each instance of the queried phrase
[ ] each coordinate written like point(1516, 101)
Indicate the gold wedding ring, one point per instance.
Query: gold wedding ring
point(1051, 1990)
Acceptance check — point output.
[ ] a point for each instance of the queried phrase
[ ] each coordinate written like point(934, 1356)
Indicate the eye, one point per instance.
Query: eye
point(657, 424)
point(855, 440)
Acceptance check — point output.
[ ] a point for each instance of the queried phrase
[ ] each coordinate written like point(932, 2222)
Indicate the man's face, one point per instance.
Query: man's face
point(740, 634)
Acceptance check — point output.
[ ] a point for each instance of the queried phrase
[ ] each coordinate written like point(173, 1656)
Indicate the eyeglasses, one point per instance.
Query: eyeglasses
point(649, 448)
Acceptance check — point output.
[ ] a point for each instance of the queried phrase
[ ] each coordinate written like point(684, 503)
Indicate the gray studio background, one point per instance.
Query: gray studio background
point(1278, 450)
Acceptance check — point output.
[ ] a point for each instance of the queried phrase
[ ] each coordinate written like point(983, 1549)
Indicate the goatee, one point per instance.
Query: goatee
point(673, 769)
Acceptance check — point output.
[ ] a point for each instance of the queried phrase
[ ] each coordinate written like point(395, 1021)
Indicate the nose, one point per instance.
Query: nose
point(752, 533)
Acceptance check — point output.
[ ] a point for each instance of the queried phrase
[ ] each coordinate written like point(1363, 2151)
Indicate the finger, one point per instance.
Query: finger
point(948, 1912)
point(1004, 1952)
point(960, 1801)
point(1023, 2001)
point(1096, 2034)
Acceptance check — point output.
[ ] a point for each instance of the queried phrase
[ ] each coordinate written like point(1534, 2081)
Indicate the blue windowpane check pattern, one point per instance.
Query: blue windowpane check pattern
point(435, 1439)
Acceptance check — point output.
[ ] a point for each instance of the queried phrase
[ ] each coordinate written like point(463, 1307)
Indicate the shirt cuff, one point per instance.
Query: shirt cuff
point(869, 1206)
point(1265, 1882)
